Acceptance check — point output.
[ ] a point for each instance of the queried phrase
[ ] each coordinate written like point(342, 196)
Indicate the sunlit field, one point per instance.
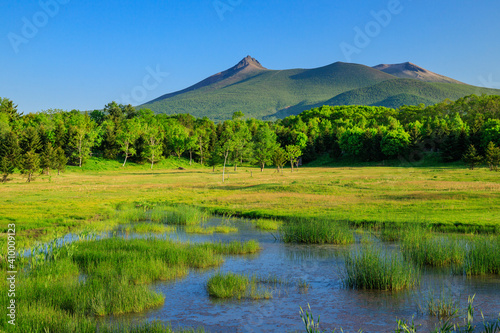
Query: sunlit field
point(453, 199)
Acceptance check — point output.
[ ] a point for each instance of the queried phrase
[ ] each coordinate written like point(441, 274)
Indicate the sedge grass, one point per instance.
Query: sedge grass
point(267, 224)
point(371, 268)
point(232, 248)
point(221, 229)
point(313, 231)
point(149, 228)
point(231, 285)
point(466, 254)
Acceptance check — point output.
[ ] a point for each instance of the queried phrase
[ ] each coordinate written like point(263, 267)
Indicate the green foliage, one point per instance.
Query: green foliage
point(372, 268)
point(395, 142)
point(492, 156)
point(471, 157)
point(315, 231)
point(30, 164)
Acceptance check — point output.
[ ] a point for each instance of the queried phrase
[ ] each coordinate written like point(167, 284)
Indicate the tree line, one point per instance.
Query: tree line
point(467, 129)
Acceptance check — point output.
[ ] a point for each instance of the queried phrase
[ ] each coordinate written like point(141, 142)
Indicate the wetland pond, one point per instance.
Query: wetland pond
point(187, 303)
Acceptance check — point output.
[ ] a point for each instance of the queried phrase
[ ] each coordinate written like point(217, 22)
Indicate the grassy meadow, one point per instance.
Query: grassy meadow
point(314, 205)
point(448, 198)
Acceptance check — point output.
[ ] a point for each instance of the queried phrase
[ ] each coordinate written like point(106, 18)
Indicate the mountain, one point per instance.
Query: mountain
point(408, 70)
point(269, 94)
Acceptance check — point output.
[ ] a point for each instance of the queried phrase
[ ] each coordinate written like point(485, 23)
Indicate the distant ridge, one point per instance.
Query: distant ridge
point(269, 94)
point(407, 70)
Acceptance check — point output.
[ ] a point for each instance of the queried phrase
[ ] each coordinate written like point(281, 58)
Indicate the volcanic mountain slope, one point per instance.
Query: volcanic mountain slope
point(268, 94)
point(408, 70)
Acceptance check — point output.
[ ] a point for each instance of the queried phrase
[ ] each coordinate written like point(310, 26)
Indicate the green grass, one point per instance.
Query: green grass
point(267, 224)
point(466, 254)
point(221, 229)
point(442, 307)
point(427, 249)
point(232, 248)
point(227, 285)
point(371, 268)
point(230, 285)
point(66, 287)
point(149, 228)
point(314, 231)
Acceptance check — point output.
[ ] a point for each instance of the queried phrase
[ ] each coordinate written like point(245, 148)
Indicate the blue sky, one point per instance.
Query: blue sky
point(83, 54)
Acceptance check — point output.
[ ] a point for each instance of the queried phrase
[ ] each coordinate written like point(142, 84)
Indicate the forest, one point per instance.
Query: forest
point(465, 130)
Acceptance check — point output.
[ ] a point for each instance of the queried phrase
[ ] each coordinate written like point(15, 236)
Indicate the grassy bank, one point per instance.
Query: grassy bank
point(64, 289)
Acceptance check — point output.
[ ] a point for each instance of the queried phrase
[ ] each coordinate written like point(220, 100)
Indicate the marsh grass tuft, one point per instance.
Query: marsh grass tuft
point(466, 254)
point(313, 231)
point(231, 285)
point(145, 227)
point(160, 212)
point(267, 224)
point(371, 268)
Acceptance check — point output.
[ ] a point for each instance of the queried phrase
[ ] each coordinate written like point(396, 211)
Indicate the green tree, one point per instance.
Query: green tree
point(60, 160)
point(30, 140)
point(109, 144)
point(154, 136)
point(279, 158)
point(202, 137)
point(264, 146)
point(48, 157)
point(7, 107)
point(30, 164)
point(226, 144)
point(83, 135)
point(293, 152)
point(395, 142)
point(492, 156)
point(127, 136)
point(9, 154)
point(471, 157)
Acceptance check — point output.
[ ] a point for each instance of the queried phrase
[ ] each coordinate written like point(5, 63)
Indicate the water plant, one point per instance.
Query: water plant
point(231, 285)
point(267, 224)
point(313, 231)
point(372, 268)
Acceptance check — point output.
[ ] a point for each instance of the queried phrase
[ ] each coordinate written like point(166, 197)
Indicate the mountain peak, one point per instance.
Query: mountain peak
point(408, 70)
point(249, 61)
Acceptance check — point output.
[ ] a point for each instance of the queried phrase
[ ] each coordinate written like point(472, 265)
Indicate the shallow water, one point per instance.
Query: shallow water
point(188, 304)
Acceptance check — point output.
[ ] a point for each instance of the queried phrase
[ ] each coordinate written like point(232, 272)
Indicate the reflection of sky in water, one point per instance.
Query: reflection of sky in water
point(188, 304)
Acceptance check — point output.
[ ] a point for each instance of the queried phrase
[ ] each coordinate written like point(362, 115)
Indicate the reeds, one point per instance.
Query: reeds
point(231, 285)
point(313, 231)
point(466, 254)
point(267, 224)
point(161, 213)
point(371, 268)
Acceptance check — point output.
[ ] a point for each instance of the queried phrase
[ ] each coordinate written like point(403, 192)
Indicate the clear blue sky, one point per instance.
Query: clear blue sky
point(88, 53)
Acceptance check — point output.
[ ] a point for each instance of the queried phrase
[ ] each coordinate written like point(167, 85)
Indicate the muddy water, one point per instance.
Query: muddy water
point(188, 304)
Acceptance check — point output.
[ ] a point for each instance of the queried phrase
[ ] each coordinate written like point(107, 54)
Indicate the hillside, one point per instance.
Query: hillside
point(408, 70)
point(269, 94)
point(399, 92)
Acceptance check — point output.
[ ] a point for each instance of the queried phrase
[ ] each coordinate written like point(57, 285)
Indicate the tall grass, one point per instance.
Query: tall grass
point(234, 247)
point(466, 254)
point(313, 231)
point(160, 212)
point(231, 285)
point(267, 224)
point(149, 228)
point(371, 268)
point(65, 286)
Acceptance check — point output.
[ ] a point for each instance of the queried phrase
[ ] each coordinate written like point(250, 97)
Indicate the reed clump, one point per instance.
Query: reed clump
point(372, 268)
point(267, 224)
point(231, 285)
point(160, 213)
point(313, 231)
